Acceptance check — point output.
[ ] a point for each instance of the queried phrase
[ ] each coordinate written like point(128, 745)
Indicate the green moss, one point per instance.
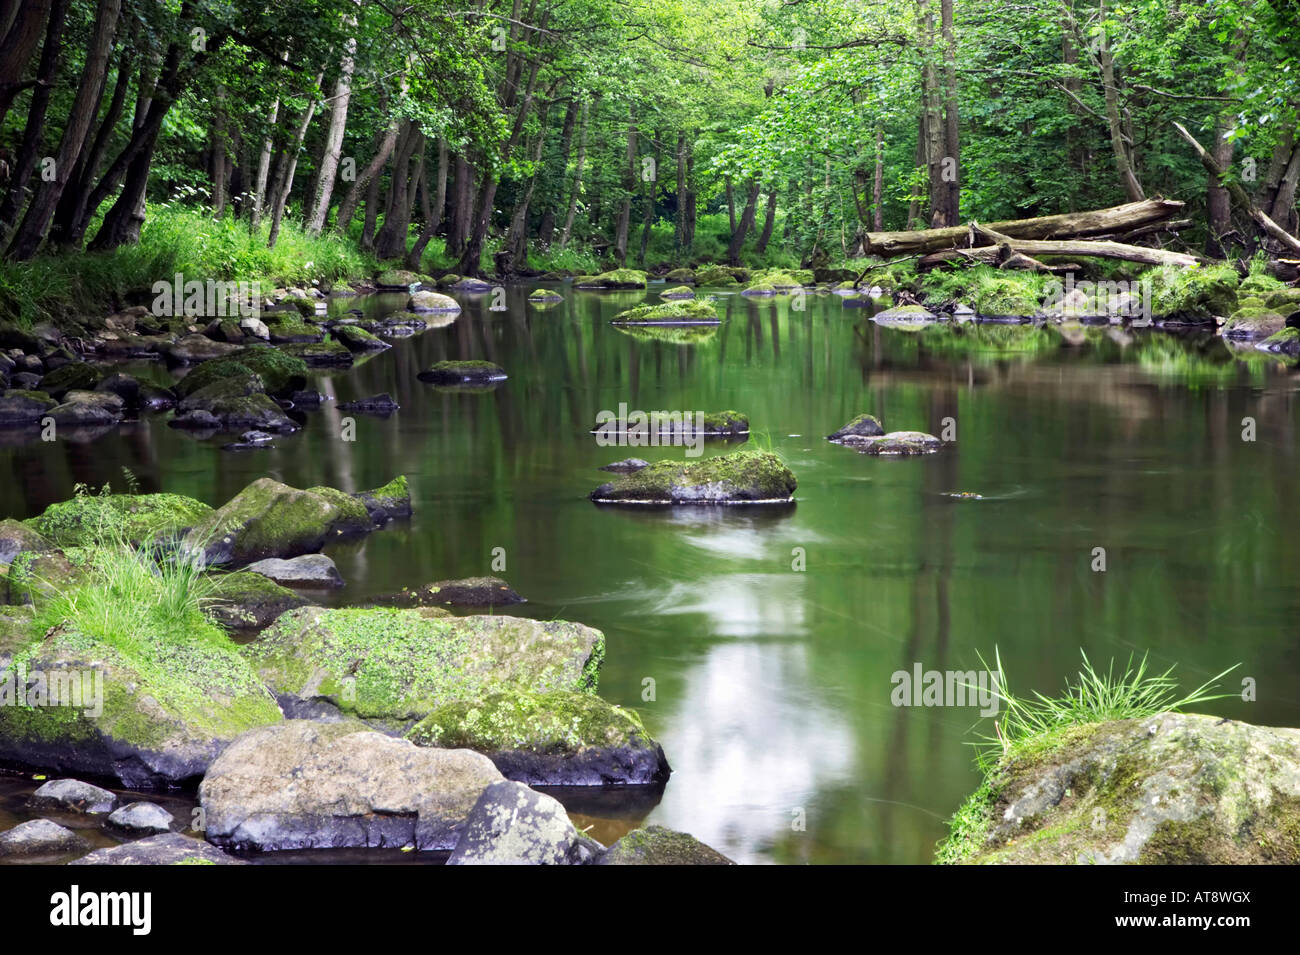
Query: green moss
point(988, 290)
point(681, 275)
point(305, 306)
point(616, 278)
point(1197, 293)
point(757, 475)
point(551, 723)
point(683, 311)
point(135, 518)
point(394, 278)
point(280, 373)
point(681, 291)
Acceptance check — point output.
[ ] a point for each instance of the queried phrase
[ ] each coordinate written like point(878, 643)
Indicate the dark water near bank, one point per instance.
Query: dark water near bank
point(772, 686)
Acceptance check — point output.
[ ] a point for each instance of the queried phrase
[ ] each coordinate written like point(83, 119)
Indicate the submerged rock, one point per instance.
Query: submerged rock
point(1285, 342)
point(655, 845)
point(168, 849)
point(470, 592)
point(741, 477)
point(511, 824)
point(550, 739)
point(40, 837)
point(382, 405)
point(895, 443)
point(392, 667)
point(71, 795)
point(905, 314)
point(863, 426)
point(544, 296)
point(309, 570)
point(463, 373)
point(310, 785)
point(712, 424)
point(1169, 789)
point(140, 819)
point(626, 466)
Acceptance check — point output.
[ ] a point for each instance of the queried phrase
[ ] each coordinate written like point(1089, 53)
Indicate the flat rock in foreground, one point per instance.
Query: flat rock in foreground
point(392, 667)
point(742, 477)
point(169, 849)
point(1169, 789)
point(310, 785)
point(511, 824)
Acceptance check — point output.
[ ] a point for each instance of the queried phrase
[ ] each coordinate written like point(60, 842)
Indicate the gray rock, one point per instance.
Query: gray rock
point(24, 407)
point(140, 819)
point(626, 466)
point(741, 477)
point(71, 795)
point(895, 443)
point(40, 837)
point(514, 825)
point(383, 405)
point(311, 785)
point(309, 570)
point(863, 426)
point(655, 845)
point(168, 849)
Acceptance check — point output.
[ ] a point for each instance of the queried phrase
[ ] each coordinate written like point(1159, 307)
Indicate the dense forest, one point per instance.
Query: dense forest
point(526, 137)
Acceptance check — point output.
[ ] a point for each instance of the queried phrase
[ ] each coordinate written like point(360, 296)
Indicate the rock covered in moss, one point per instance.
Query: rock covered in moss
point(681, 276)
point(24, 408)
point(74, 376)
point(544, 296)
point(471, 285)
point(1168, 789)
point(895, 443)
point(511, 824)
point(17, 536)
point(247, 601)
point(626, 466)
point(359, 340)
point(279, 372)
point(39, 838)
point(655, 845)
point(138, 395)
point(549, 739)
point(192, 349)
point(431, 302)
point(381, 405)
point(1284, 342)
point(133, 518)
point(397, 280)
point(388, 503)
point(863, 426)
point(720, 275)
point(678, 292)
point(33, 575)
point(614, 279)
point(1198, 294)
point(905, 314)
point(270, 519)
point(470, 592)
point(463, 373)
point(392, 667)
point(686, 312)
point(1253, 324)
point(709, 424)
point(741, 477)
point(170, 848)
point(312, 785)
point(328, 352)
point(156, 715)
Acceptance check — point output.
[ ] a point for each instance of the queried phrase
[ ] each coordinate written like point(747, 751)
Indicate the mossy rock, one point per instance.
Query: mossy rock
point(22, 408)
point(544, 296)
point(164, 712)
point(617, 278)
point(270, 519)
point(279, 372)
point(1284, 342)
point(448, 280)
point(431, 302)
point(247, 601)
point(74, 376)
point(19, 536)
point(304, 306)
point(1285, 300)
point(655, 845)
point(356, 339)
point(905, 315)
point(681, 276)
point(680, 291)
point(720, 275)
point(1251, 324)
point(709, 424)
point(1198, 294)
point(326, 352)
point(1168, 789)
point(741, 477)
point(392, 667)
point(133, 518)
point(390, 502)
point(395, 280)
point(863, 426)
point(473, 372)
point(894, 443)
point(32, 576)
point(690, 312)
point(1260, 284)
point(558, 738)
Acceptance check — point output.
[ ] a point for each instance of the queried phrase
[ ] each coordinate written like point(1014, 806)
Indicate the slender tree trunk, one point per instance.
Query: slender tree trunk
point(691, 197)
point(433, 219)
point(769, 222)
point(572, 212)
point(731, 205)
point(625, 206)
point(366, 178)
point(284, 178)
point(546, 228)
point(264, 168)
point(217, 147)
point(46, 74)
point(28, 237)
point(19, 44)
point(951, 173)
point(878, 187)
point(1123, 157)
point(742, 228)
point(391, 241)
point(329, 163)
point(650, 186)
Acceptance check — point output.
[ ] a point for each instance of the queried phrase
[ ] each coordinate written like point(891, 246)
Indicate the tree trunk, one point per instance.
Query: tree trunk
point(19, 43)
point(577, 174)
point(1123, 158)
point(951, 173)
point(546, 229)
point(28, 237)
point(742, 228)
point(329, 163)
point(367, 177)
point(878, 187)
point(391, 241)
point(625, 206)
point(1098, 222)
point(769, 222)
point(433, 220)
point(217, 146)
point(264, 168)
point(289, 163)
point(651, 186)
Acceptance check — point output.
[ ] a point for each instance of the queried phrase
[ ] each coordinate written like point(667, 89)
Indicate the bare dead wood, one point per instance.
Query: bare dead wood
point(1084, 247)
point(1073, 225)
point(1239, 195)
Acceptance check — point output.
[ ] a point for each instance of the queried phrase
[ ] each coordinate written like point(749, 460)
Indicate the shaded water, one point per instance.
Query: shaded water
point(772, 686)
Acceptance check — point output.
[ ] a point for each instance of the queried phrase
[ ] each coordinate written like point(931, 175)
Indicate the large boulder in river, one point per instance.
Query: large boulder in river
point(742, 477)
point(270, 519)
point(549, 739)
point(20, 408)
point(1167, 789)
point(511, 824)
point(312, 785)
point(133, 518)
point(155, 715)
point(392, 667)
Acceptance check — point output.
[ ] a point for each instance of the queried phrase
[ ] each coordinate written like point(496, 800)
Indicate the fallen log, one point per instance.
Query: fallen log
point(1084, 247)
point(1239, 195)
point(1072, 225)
